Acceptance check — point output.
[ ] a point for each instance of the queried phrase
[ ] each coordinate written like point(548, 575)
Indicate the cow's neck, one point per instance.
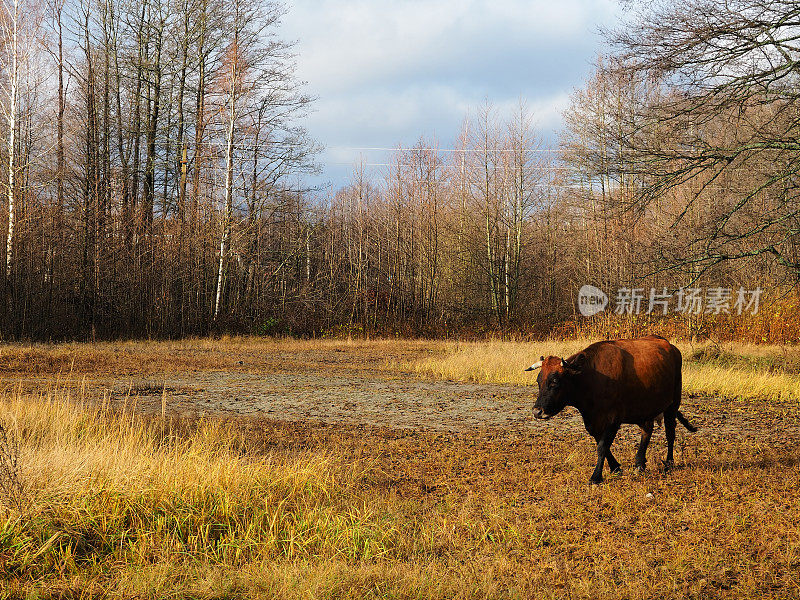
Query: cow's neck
point(585, 407)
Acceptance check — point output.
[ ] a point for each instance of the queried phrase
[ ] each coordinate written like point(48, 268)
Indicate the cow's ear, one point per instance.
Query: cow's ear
point(577, 363)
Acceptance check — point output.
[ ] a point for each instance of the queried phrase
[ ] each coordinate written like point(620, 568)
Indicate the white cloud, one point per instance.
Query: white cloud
point(343, 44)
point(356, 125)
point(388, 72)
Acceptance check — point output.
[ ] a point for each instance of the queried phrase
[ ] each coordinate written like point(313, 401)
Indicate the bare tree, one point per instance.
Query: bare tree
point(11, 59)
point(725, 122)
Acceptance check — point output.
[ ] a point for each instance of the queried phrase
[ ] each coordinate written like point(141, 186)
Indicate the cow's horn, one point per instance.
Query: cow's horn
point(534, 366)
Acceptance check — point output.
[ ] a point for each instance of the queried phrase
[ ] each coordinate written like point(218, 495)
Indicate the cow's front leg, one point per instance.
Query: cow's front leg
point(613, 463)
point(604, 441)
point(641, 454)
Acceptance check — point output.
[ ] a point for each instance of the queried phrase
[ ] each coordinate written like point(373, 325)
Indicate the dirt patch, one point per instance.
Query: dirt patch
point(377, 401)
point(335, 398)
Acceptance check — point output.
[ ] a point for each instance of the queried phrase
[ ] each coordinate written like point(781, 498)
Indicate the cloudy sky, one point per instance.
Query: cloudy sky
point(386, 72)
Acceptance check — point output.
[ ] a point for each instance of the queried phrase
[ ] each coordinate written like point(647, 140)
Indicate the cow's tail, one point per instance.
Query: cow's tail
point(685, 422)
point(678, 391)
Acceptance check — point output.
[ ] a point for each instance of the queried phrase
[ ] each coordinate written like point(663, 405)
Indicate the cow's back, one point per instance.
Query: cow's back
point(633, 380)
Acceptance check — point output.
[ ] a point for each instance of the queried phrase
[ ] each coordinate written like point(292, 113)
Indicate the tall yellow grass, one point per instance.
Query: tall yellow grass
point(493, 361)
point(104, 488)
point(731, 370)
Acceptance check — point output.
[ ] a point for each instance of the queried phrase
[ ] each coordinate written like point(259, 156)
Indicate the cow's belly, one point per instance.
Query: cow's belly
point(644, 408)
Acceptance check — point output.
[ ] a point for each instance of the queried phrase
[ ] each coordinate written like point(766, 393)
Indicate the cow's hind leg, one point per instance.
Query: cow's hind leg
point(604, 441)
point(671, 415)
point(641, 454)
point(670, 418)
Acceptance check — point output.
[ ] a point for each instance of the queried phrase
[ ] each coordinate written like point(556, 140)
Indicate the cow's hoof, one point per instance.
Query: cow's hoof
point(640, 469)
point(668, 465)
point(597, 481)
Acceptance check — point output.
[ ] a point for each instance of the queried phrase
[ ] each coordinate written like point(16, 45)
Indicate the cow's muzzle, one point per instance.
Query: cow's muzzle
point(538, 413)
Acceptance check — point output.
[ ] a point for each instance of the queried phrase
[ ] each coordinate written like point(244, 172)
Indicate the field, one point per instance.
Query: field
point(382, 469)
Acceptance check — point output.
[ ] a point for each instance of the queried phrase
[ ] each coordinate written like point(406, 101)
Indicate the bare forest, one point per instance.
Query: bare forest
point(154, 159)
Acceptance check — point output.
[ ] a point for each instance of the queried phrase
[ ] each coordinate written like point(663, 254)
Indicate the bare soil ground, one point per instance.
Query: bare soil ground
point(411, 402)
point(375, 400)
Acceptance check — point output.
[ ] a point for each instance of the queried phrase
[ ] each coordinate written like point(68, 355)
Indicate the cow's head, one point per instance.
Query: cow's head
point(556, 383)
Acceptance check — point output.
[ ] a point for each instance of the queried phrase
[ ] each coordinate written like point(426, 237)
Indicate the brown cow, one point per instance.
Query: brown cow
point(616, 382)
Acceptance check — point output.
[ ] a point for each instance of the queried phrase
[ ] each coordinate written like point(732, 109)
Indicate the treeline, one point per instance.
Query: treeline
point(136, 133)
point(153, 164)
point(499, 233)
point(677, 174)
point(677, 171)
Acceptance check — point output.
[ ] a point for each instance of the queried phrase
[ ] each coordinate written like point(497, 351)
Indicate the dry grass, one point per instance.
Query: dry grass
point(228, 353)
point(492, 362)
point(741, 383)
point(731, 369)
point(128, 507)
point(125, 506)
point(111, 492)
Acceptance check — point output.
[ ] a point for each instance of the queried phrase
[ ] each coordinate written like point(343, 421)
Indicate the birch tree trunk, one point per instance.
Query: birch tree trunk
point(226, 225)
point(11, 122)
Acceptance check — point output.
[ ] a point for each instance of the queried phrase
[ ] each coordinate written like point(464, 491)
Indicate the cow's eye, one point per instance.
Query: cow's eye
point(554, 383)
